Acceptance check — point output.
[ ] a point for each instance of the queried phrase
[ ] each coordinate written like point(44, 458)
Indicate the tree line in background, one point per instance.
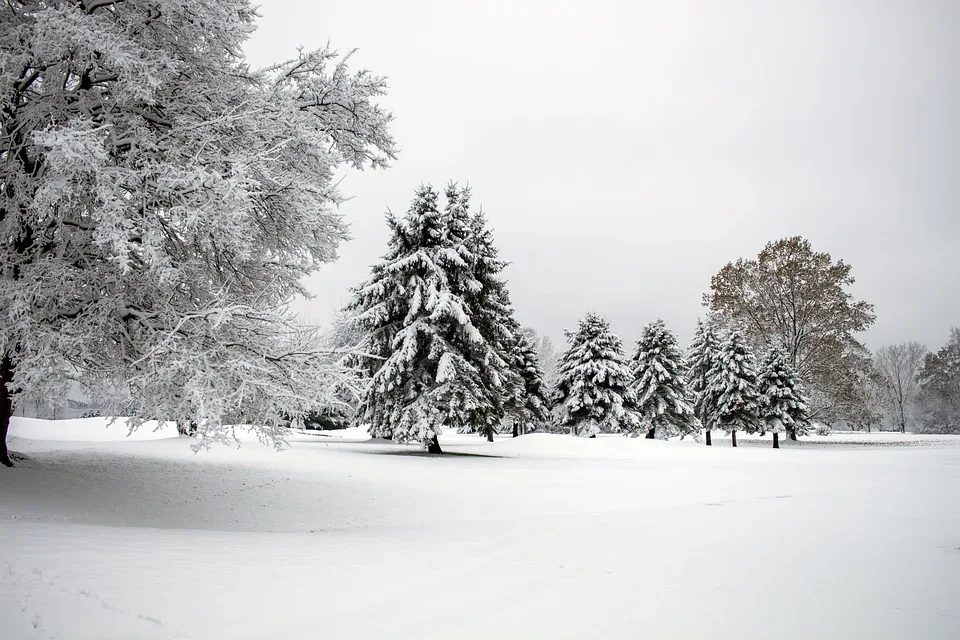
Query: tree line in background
point(918, 389)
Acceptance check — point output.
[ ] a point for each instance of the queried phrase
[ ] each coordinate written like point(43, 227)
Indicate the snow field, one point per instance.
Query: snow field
point(554, 537)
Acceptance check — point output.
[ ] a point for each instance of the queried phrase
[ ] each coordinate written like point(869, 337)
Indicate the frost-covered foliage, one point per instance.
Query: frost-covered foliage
point(783, 403)
point(162, 201)
point(664, 400)
point(438, 327)
point(700, 358)
point(593, 392)
point(732, 389)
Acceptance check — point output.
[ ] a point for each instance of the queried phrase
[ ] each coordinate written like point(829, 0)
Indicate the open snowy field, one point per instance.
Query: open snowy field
point(103, 536)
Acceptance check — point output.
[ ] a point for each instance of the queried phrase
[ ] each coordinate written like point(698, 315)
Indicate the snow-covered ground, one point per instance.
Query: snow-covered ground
point(104, 536)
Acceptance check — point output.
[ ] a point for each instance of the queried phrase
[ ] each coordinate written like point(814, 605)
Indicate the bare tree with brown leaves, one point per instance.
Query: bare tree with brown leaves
point(897, 366)
point(797, 299)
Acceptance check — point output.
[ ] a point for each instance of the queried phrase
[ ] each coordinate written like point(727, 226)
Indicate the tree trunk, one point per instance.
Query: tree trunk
point(6, 408)
point(516, 430)
point(776, 440)
point(792, 433)
point(733, 437)
point(489, 435)
point(433, 445)
point(709, 443)
point(651, 433)
point(763, 433)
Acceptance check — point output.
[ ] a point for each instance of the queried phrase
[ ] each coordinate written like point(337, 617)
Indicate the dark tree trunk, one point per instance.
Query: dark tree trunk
point(189, 429)
point(489, 435)
point(733, 438)
point(709, 443)
point(433, 445)
point(516, 430)
point(651, 433)
point(6, 408)
point(792, 434)
point(763, 433)
point(776, 440)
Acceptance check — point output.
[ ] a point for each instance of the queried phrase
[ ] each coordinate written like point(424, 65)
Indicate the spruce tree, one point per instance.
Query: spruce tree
point(664, 400)
point(593, 392)
point(700, 359)
point(732, 388)
point(783, 403)
point(531, 413)
point(492, 314)
point(430, 362)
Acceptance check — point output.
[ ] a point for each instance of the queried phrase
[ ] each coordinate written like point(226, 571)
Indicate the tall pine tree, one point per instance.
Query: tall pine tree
point(492, 313)
point(664, 399)
point(438, 321)
point(732, 388)
point(593, 392)
point(700, 359)
point(783, 403)
point(430, 362)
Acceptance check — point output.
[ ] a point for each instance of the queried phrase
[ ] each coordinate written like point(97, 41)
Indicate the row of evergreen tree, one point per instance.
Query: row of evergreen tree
point(717, 386)
point(443, 349)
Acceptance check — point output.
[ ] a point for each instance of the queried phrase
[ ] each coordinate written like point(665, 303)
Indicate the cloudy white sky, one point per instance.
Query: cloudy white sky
point(625, 151)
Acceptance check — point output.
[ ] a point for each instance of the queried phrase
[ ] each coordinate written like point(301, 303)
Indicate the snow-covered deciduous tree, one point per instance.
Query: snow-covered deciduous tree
point(162, 201)
point(700, 358)
point(593, 393)
point(783, 403)
point(799, 300)
point(664, 400)
point(732, 389)
point(430, 364)
point(897, 366)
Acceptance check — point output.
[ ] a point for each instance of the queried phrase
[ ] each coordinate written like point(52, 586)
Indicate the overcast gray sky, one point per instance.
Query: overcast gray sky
point(625, 151)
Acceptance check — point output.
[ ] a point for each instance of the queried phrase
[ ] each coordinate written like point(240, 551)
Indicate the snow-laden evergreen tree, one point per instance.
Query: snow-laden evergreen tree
point(492, 313)
point(593, 392)
point(732, 389)
point(664, 400)
point(162, 202)
point(532, 413)
point(431, 366)
point(783, 403)
point(700, 358)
